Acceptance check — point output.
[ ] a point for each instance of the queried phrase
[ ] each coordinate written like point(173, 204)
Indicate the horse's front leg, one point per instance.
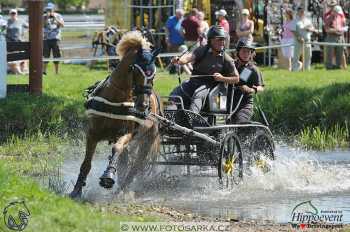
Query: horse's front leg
point(107, 180)
point(85, 167)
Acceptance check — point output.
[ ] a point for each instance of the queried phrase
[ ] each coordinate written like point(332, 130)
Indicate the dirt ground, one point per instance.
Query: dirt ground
point(166, 214)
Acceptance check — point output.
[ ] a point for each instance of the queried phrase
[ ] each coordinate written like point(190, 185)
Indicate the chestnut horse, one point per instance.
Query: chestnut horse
point(118, 112)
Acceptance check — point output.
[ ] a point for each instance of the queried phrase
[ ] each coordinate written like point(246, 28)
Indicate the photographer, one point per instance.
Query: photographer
point(53, 22)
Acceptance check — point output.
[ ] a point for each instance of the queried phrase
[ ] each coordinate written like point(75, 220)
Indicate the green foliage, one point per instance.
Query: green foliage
point(65, 4)
point(50, 212)
point(33, 155)
point(10, 3)
point(312, 103)
point(292, 102)
point(59, 111)
point(315, 138)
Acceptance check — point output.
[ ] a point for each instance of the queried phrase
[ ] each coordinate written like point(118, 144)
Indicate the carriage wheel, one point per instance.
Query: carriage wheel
point(230, 166)
point(262, 149)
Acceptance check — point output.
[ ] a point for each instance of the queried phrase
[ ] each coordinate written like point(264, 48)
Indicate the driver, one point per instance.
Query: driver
point(251, 82)
point(211, 65)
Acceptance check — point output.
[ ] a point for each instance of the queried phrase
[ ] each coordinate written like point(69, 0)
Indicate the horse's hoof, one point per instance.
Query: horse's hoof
point(75, 194)
point(107, 179)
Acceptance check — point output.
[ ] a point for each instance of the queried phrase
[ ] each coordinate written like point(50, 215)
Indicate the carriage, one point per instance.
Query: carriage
point(208, 139)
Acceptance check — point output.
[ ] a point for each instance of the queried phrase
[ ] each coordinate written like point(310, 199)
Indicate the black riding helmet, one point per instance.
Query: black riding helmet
point(244, 44)
point(216, 32)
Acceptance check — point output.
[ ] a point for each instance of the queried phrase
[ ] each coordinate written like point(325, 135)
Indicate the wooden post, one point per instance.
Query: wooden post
point(35, 13)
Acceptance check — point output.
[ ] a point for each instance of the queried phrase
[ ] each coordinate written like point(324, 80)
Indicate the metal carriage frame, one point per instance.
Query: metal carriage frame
point(207, 139)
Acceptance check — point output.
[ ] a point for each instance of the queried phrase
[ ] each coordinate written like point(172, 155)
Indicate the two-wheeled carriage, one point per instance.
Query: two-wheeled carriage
point(210, 139)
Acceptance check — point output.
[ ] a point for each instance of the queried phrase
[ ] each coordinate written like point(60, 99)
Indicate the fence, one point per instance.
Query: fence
point(164, 55)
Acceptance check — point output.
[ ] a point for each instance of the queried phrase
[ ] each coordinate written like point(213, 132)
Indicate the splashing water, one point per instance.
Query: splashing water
point(295, 176)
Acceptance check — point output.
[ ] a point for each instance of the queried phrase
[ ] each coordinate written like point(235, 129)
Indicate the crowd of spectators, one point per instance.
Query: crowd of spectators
point(298, 30)
point(186, 31)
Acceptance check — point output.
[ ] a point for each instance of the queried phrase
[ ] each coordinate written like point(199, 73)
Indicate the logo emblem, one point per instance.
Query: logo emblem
point(16, 215)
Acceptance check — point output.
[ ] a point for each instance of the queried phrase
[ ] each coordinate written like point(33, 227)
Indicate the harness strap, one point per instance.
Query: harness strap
point(147, 89)
point(123, 111)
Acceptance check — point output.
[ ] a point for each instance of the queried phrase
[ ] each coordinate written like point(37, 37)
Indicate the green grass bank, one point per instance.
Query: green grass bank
point(49, 212)
point(314, 105)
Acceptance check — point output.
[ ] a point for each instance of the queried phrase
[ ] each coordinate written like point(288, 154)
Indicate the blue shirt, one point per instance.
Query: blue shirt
point(174, 28)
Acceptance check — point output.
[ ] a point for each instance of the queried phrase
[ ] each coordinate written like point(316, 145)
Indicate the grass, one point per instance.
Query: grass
point(50, 212)
point(306, 102)
point(313, 105)
point(291, 101)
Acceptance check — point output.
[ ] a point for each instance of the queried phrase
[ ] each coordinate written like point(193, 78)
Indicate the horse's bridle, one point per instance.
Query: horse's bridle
point(140, 90)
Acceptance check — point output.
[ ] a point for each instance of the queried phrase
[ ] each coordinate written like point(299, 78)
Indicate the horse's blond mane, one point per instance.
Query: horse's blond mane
point(132, 40)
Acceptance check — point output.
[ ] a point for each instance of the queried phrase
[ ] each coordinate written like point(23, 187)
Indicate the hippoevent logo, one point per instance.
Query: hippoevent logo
point(16, 215)
point(307, 215)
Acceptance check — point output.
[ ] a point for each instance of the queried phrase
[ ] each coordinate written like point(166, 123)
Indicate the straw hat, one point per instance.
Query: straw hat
point(332, 2)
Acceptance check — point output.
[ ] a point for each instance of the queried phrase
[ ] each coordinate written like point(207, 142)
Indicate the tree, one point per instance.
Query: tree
point(10, 3)
point(64, 4)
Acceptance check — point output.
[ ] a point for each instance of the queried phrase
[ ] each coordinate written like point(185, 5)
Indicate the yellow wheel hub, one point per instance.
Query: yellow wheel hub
point(229, 165)
point(262, 164)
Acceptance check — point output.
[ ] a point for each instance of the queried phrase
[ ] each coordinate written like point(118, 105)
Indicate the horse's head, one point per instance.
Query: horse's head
point(143, 70)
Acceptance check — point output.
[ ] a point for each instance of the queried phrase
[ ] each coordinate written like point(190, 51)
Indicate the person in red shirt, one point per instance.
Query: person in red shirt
point(221, 14)
point(334, 25)
point(191, 29)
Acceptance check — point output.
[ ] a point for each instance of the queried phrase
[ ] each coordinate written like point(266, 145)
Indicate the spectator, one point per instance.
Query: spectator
point(53, 22)
point(245, 29)
point(204, 27)
point(174, 38)
point(334, 21)
point(15, 33)
point(287, 37)
point(221, 14)
point(302, 38)
point(344, 28)
point(191, 29)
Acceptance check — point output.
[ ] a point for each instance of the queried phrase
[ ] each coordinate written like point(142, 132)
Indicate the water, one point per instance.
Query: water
point(296, 176)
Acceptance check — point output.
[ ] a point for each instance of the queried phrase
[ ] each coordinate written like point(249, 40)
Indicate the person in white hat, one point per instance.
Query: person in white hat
point(15, 33)
point(245, 29)
point(221, 19)
point(15, 27)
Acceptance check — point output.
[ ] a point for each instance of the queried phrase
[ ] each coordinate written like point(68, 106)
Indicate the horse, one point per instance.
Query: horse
point(108, 40)
point(119, 111)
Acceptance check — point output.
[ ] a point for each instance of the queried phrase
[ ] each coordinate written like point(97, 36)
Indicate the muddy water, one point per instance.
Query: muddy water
point(296, 176)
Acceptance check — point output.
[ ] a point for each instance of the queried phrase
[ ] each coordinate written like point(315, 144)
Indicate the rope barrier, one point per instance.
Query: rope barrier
point(151, 7)
point(172, 54)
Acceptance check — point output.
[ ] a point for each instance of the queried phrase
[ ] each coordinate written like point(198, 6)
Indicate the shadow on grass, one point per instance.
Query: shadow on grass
point(22, 114)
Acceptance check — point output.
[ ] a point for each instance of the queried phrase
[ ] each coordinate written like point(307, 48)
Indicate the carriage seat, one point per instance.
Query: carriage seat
point(174, 111)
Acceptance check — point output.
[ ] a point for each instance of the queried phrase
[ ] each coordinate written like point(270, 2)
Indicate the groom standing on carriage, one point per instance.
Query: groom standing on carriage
point(211, 65)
